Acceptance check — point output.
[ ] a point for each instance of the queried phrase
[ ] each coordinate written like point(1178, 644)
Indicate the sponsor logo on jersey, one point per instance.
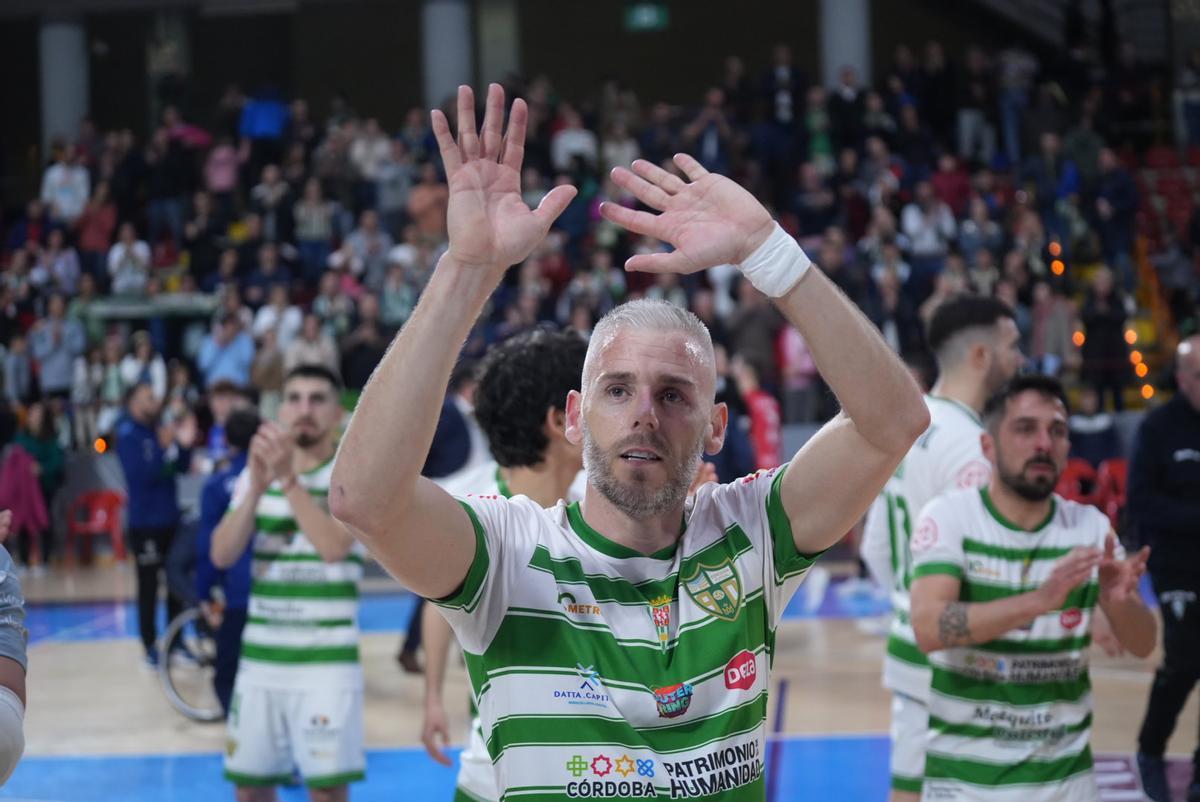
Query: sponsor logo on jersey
point(660, 614)
point(570, 606)
point(981, 569)
point(723, 769)
point(1070, 618)
point(638, 771)
point(589, 693)
point(741, 671)
point(974, 474)
point(717, 589)
point(925, 537)
point(673, 700)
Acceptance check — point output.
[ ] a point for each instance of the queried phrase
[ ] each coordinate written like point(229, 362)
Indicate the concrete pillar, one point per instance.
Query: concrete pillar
point(447, 48)
point(63, 76)
point(499, 40)
point(845, 39)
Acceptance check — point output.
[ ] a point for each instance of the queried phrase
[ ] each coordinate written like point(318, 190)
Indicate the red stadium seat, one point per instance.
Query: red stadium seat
point(1078, 482)
point(96, 512)
point(1112, 479)
point(1161, 156)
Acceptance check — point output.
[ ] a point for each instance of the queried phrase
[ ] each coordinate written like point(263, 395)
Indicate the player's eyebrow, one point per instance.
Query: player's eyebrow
point(665, 378)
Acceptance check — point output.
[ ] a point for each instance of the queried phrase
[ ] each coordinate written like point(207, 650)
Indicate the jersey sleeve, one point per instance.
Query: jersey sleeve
point(505, 536)
point(876, 547)
point(13, 635)
point(756, 502)
point(937, 542)
point(961, 464)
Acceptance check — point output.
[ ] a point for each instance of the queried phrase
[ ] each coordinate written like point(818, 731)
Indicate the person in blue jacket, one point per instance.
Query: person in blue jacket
point(152, 453)
point(228, 618)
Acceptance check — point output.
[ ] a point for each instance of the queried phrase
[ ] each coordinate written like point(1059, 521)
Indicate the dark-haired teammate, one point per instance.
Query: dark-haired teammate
point(520, 404)
point(974, 340)
point(1007, 580)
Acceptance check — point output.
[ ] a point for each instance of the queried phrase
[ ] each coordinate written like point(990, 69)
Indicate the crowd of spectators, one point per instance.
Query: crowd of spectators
point(314, 237)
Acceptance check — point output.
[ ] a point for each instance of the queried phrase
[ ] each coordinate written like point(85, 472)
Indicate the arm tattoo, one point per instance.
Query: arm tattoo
point(952, 625)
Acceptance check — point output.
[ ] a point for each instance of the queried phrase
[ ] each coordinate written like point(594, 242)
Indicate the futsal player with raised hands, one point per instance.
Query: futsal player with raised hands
point(620, 646)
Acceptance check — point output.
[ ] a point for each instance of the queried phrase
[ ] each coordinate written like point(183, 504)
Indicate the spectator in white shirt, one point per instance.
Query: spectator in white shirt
point(129, 263)
point(279, 314)
point(66, 187)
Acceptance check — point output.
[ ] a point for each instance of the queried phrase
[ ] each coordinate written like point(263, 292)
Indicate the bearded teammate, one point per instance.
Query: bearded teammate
point(298, 696)
point(1007, 580)
point(520, 406)
point(655, 680)
point(974, 340)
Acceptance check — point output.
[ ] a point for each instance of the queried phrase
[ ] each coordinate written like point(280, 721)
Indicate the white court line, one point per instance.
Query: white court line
point(1118, 778)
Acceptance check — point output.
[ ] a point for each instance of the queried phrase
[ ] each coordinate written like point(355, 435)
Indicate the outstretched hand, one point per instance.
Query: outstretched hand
point(1119, 578)
point(489, 224)
point(709, 220)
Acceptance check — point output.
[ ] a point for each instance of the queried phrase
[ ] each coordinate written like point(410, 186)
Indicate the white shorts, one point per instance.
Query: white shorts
point(275, 731)
point(910, 722)
point(476, 774)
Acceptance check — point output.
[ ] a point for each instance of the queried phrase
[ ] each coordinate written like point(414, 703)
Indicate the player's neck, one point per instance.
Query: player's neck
point(545, 482)
point(645, 536)
point(1028, 515)
point(305, 459)
point(966, 390)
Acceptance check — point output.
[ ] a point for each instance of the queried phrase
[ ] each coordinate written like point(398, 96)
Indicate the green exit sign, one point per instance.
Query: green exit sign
point(647, 17)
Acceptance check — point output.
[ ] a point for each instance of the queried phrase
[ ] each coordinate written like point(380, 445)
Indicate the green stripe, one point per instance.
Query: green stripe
point(312, 491)
point(1083, 597)
point(300, 654)
point(950, 683)
point(906, 652)
point(787, 560)
point(605, 546)
point(1048, 646)
point(267, 556)
point(305, 590)
point(584, 730)
point(908, 784)
point(993, 775)
point(256, 780)
point(987, 733)
point(971, 546)
point(334, 780)
point(270, 525)
point(282, 622)
point(937, 569)
point(469, 595)
point(463, 795)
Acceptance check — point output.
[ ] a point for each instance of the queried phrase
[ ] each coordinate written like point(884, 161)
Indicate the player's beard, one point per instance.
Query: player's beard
point(635, 498)
point(308, 439)
point(1031, 488)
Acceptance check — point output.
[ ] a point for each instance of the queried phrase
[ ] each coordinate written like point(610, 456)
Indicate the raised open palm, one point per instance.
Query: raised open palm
point(709, 221)
point(489, 224)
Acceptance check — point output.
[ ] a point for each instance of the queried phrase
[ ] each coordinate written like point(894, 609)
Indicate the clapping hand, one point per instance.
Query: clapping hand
point(1119, 578)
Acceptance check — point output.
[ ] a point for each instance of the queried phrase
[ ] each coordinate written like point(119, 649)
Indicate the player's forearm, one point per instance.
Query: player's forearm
point(385, 445)
point(436, 636)
point(875, 389)
point(232, 535)
point(1133, 624)
point(330, 538)
point(940, 624)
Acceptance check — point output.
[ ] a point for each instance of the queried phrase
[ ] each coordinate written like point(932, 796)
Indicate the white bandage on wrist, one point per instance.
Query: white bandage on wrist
point(776, 265)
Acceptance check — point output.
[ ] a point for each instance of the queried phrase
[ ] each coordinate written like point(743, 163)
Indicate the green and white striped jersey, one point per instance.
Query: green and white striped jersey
point(946, 457)
point(601, 672)
point(1010, 719)
point(302, 623)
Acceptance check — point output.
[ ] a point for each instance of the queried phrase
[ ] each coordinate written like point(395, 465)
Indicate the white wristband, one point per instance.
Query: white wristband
point(776, 265)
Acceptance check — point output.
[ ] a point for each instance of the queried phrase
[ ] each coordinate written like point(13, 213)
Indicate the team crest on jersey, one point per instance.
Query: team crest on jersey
point(717, 589)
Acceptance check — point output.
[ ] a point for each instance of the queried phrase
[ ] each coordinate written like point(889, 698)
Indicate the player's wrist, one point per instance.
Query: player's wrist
point(777, 264)
point(288, 483)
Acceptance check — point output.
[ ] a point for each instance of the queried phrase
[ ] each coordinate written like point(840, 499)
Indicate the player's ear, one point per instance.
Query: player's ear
point(715, 436)
point(556, 423)
point(573, 418)
point(988, 444)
